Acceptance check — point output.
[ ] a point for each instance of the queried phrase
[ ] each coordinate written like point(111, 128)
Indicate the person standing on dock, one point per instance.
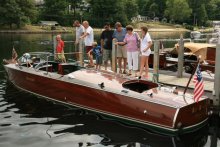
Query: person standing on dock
point(131, 44)
point(106, 44)
point(79, 32)
point(98, 54)
point(119, 35)
point(60, 49)
point(89, 39)
point(146, 44)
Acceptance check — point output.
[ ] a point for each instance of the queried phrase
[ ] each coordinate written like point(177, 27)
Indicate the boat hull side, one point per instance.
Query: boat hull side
point(116, 105)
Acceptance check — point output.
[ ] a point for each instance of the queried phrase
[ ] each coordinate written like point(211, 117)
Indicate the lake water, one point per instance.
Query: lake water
point(27, 120)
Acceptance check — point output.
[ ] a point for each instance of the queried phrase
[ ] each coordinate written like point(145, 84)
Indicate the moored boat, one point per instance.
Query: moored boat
point(191, 53)
point(136, 101)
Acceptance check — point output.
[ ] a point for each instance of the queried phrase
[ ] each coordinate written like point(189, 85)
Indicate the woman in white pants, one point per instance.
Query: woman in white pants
point(146, 44)
point(131, 41)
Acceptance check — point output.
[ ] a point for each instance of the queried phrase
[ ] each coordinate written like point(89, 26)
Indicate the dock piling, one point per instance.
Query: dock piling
point(156, 62)
point(54, 44)
point(81, 50)
point(114, 55)
point(180, 57)
point(216, 93)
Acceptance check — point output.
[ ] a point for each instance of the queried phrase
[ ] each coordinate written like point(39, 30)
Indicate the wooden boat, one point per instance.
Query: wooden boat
point(134, 101)
point(191, 52)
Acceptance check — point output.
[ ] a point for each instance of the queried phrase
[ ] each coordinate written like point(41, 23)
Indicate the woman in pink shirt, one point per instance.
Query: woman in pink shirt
point(131, 41)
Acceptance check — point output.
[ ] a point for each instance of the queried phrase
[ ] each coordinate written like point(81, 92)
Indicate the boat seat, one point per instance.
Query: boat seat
point(66, 68)
point(46, 67)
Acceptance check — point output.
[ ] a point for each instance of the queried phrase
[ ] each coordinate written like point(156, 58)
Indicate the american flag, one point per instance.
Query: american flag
point(199, 86)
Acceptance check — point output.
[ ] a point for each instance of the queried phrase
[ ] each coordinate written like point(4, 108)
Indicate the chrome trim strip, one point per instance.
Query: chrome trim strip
point(175, 117)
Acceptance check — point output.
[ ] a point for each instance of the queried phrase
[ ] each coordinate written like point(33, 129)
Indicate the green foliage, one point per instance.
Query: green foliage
point(189, 27)
point(151, 8)
point(110, 11)
point(21, 12)
point(55, 10)
point(131, 8)
point(141, 6)
point(211, 9)
point(155, 9)
point(202, 15)
point(17, 12)
point(178, 10)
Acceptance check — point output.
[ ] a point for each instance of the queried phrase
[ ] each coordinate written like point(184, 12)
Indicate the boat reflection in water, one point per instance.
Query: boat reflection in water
point(71, 126)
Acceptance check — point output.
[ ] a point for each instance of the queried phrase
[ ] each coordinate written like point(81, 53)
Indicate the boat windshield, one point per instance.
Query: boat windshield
point(139, 85)
point(34, 57)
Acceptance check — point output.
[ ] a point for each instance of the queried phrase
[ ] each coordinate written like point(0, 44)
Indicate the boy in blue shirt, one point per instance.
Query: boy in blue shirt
point(98, 54)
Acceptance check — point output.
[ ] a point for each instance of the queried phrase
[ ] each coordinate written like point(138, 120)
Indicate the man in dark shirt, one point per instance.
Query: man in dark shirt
point(106, 44)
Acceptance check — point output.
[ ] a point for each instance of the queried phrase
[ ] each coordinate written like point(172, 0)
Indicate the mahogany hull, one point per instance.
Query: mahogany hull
point(113, 104)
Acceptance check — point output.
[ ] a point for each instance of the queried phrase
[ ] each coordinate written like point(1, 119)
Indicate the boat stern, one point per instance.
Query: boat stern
point(192, 116)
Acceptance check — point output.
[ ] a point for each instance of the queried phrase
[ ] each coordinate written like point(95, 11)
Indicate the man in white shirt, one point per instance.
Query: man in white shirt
point(89, 39)
point(79, 31)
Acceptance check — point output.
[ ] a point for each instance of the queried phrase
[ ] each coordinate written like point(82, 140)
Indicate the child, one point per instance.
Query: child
point(98, 54)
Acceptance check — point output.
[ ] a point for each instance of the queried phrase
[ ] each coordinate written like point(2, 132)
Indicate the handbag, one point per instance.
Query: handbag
point(138, 40)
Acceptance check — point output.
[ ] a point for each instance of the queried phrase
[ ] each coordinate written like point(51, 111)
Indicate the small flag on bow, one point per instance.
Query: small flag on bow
point(199, 86)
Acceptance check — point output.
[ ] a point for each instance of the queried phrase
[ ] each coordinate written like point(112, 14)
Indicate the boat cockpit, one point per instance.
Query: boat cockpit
point(139, 85)
point(40, 62)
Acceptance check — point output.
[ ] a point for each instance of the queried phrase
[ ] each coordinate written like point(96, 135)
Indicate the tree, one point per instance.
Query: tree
point(28, 10)
point(75, 4)
point(202, 15)
point(178, 10)
point(131, 8)
point(199, 10)
point(161, 7)
point(211, 9)
point(55, 10)
point(17, 12)
point(106, 10)
point(141, 6)
point(154, 8)
point(10, 12)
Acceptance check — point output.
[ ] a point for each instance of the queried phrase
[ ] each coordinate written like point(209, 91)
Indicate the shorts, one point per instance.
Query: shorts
point(61, 56)
point(121, 52)
point(107, 55)
point(147, 53)
point(98, 60)
point(88, 48)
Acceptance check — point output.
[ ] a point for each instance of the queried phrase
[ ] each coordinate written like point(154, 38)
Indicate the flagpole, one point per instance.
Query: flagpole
point(187, 86)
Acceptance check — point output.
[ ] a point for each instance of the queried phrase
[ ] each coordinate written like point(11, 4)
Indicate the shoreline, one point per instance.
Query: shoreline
point(95, 30)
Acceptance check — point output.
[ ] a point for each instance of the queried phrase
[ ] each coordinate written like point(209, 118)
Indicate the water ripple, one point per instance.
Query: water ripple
point(26, 120)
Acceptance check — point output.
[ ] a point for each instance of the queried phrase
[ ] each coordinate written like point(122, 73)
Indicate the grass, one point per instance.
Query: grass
point(156, 25)
point(37, 28)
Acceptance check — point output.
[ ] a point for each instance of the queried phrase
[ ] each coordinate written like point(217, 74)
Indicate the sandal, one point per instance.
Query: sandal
point(120, 71)
point(125, 72)
point(90, 66)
